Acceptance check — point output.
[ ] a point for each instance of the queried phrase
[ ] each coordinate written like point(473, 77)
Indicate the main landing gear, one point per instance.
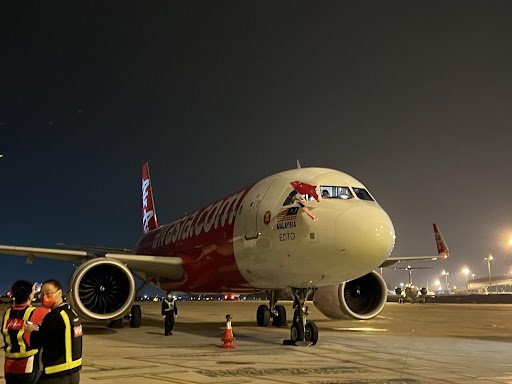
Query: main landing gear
point(134, 317)
point(302, 332)
point(276, 312)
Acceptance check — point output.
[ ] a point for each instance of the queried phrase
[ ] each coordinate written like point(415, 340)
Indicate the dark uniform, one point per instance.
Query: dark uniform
point(21, 360)
point(169, 309)
point(60, 336)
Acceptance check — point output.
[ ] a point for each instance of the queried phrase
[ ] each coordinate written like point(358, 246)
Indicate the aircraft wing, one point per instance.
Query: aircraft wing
point(164, 266)
point(46, 253)
point(392, 260)
point(442, 251)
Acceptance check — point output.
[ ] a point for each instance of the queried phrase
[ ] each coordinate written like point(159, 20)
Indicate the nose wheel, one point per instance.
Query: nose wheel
point(302, 332)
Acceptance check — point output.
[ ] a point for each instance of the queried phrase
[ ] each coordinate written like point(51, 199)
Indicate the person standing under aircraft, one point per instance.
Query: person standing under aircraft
point(169, 310)
point(60, 336)
point(21, 359)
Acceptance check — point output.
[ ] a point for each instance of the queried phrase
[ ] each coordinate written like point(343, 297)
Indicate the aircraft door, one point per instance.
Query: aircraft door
point(255, 199)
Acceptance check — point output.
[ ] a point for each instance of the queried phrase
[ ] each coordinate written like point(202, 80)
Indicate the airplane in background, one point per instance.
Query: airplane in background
point(411, 293)
point(309, 231)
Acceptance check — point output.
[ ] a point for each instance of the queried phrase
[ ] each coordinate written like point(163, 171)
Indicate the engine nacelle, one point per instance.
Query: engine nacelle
point(102, 289)
point(359, 299)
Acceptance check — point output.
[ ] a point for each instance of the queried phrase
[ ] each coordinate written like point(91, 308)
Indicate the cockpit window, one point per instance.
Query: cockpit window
point(289, 198)
point(335, 192)
point(362, 194)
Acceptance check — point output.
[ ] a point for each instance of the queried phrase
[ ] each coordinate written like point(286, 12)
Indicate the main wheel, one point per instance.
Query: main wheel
point(118, 323)
point(279, 319)
point(296, 332)
point(311, 333)
point(136, 316)
point(263, 316)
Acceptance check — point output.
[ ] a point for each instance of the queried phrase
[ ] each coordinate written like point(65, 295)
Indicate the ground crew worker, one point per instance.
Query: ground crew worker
point(60, 336)
point(169, 309)
point(21, 359)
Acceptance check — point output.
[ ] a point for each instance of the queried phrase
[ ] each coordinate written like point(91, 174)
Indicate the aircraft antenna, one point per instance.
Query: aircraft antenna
point(298, 165)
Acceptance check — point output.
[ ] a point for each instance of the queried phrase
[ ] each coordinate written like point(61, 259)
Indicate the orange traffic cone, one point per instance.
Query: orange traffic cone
point(228, 334)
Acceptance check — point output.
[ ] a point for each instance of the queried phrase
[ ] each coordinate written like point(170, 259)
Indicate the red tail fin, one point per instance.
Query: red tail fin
point(149, 221)
point(442, 248)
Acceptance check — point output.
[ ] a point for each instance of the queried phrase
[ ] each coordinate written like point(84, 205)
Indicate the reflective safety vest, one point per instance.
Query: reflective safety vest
point(12, 329)
point(168, 306)
point(72, 357)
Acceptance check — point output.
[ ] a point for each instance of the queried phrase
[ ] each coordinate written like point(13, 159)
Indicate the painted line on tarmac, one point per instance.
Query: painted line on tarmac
point(361, 329)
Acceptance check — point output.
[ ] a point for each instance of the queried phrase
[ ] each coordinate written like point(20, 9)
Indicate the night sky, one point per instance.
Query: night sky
point(413, 98)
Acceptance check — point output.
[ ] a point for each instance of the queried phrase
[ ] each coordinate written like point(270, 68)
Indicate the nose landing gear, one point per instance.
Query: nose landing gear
point(302, 332)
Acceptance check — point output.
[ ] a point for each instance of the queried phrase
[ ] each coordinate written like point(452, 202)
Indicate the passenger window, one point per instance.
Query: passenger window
point(362, 194)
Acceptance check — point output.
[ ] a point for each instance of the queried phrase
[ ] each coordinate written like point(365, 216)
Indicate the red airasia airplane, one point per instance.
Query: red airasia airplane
point(310, 231)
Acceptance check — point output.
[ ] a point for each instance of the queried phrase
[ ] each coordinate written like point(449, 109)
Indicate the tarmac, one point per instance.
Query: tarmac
point(406, 343)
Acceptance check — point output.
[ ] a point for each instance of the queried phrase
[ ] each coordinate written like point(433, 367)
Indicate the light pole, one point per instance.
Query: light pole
point(489, 269)
point(445, 274)
point(466, 271)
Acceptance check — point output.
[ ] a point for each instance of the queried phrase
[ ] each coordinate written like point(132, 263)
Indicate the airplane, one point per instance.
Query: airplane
point(411, 293)
point(274, 235)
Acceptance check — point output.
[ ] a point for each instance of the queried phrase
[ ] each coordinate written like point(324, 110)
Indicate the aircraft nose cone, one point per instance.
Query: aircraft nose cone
point(366, 234)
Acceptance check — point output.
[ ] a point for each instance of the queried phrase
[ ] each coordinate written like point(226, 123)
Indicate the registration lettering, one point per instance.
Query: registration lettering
point(286, 236)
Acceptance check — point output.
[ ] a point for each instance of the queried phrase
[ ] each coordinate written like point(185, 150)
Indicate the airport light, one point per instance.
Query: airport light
point(466, 271)
point(445, 274)
point(489, 258)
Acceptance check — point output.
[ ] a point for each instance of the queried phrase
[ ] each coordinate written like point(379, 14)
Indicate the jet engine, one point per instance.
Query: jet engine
point(102, 289)
point(359, 299)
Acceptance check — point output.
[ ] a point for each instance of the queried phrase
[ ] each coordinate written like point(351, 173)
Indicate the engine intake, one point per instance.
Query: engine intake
point(102, 289)
point(359, 299)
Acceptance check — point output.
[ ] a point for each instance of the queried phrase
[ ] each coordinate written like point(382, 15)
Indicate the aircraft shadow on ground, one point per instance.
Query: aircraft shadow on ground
point(155, 327)
point(93, 329)
point(493, 338)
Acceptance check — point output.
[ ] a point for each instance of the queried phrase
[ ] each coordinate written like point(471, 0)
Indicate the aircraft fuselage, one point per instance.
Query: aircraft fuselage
point(262, 238)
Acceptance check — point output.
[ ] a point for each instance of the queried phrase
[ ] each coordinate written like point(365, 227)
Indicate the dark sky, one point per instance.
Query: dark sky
point(413, 98)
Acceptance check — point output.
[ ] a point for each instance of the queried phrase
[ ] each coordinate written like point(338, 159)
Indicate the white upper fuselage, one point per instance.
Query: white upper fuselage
point(349, 238)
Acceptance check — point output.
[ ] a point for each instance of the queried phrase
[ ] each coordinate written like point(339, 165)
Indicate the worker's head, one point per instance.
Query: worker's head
point(21, 291)
point(169, 295)
point(51, 293)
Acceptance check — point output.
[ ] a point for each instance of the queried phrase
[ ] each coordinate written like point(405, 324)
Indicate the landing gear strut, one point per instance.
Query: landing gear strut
point(134, 317)
point(302, 332)
point(276, 312)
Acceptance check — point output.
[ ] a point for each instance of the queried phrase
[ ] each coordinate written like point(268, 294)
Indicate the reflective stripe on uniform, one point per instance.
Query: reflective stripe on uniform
point(19, 337)
point(4, 329)
point(69, 364)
